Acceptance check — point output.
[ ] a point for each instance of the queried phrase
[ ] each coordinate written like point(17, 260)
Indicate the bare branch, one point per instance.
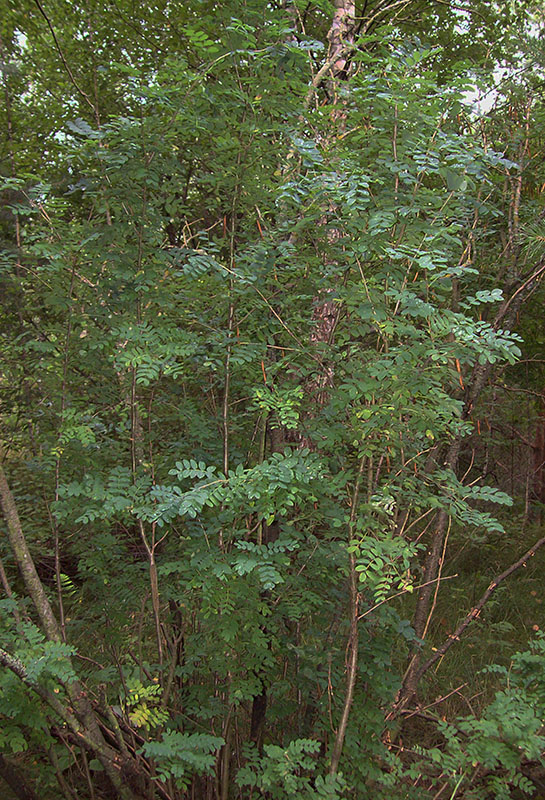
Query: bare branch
point(63, 59)
point(476, 610)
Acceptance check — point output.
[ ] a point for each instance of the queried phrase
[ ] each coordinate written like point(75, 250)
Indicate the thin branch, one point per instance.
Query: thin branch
point(63, 59)
point(7, 589)
point(405, 591)
point(353, 642)
point(476, 610)
point(419, 711)
point(535, 276)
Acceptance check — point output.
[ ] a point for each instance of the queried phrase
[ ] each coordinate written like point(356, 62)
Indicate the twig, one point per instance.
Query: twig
point(407, 714)
point(476, 610)
point(404, 591)
point(63, 59)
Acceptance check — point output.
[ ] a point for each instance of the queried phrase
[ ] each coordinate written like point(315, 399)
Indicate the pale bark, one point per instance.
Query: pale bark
point(341, 35)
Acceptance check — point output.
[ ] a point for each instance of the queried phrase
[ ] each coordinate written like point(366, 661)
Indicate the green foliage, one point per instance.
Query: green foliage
point(179, 755)
point(284, 402)
point(44, 661)
point(383, 565)
point(508, 733)
point(46, 664)
point(141, 703)
point(289, 772)
point(250, 321)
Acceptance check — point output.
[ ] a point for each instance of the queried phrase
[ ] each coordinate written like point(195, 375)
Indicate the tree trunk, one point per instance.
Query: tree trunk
point(16, 782)
point(83, 721)
point(539, 465)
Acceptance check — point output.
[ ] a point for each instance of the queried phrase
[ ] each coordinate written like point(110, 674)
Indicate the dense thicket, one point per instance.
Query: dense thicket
point(272, 426)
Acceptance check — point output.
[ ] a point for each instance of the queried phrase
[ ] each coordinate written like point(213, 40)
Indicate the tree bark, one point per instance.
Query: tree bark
point(83, 721)
point(340, 35)
point(15, 780)
point(25, 562)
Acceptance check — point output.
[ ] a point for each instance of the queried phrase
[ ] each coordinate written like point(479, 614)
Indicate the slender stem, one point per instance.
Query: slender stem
point(476, 610)
point(154, 585)
point(227, 385)
point(262, 445)
point(63, 59)
point(88, 775)
point(7, 588)
point(10, 138)
point(68, 793)
point(353, 640)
